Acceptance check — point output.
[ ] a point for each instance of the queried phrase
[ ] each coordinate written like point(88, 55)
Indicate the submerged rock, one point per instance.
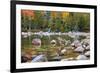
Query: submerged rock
point(67, 42)
point(67, 59)
point(57, 58)
point(63, 41)
point(63, 51)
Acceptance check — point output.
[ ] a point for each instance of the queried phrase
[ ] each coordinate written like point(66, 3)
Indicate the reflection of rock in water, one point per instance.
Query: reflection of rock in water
point(56, 58)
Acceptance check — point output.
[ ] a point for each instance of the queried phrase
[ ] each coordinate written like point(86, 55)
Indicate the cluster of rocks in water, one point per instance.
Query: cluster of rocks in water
point(67, 51)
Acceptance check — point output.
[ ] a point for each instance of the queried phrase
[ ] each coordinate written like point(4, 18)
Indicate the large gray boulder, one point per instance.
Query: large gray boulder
point(79, 49)
point(53, 42)
point(88, 47)
point(76, 43)
point(87, 53)
point(40, 58)
point(81, 57)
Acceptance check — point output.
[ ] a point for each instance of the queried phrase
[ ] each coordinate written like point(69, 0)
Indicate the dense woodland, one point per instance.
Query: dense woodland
point(55, 21)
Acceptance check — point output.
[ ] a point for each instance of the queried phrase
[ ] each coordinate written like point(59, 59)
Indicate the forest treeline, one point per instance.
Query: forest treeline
point(54, 21)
